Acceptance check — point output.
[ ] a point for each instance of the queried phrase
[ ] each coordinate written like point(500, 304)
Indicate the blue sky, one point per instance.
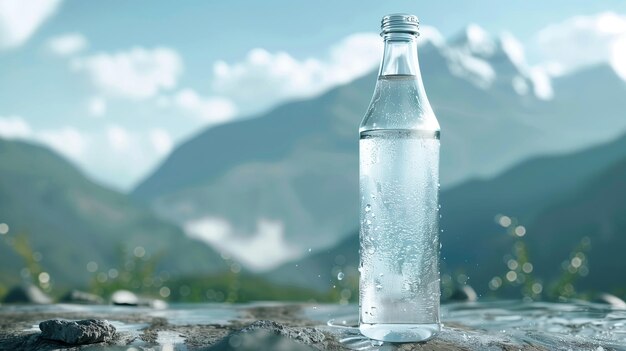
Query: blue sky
point(114, 85)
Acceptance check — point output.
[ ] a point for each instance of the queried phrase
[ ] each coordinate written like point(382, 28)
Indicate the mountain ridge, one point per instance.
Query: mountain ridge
point(297, 164)
point(46, 199)
point(473, 241)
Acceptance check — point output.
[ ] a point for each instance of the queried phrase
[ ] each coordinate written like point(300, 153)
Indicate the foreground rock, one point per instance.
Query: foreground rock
point(77, 333)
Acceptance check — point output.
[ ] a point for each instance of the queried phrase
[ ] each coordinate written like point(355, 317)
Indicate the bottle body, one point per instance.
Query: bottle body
point(399, 212)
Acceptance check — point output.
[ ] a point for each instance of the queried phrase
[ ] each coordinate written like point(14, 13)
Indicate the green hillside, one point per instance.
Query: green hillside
point(70, 221)
point(596, 211)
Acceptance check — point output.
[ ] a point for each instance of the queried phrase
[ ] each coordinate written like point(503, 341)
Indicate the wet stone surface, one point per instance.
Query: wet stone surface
point(473, 326)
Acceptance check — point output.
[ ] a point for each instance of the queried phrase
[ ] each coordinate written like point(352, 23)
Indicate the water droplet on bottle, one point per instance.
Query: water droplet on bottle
point(373, 311)
point(309, 249)
point(440, 246)
point(378, 287)
point(340, 276)
point(368, 208)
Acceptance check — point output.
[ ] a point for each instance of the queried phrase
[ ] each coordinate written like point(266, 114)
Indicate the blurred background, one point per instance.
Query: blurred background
point(207, 151)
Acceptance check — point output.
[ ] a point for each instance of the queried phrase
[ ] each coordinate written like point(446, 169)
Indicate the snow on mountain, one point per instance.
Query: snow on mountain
point(483, 59)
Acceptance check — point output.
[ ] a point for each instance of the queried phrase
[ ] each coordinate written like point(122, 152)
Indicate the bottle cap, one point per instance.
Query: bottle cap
point(400, 23)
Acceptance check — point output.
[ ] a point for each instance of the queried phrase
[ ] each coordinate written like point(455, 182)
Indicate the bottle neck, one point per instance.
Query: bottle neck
point(400, 55)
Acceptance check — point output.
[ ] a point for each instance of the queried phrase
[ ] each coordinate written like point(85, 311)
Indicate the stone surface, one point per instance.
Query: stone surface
point(77, 332)
point(504, 325)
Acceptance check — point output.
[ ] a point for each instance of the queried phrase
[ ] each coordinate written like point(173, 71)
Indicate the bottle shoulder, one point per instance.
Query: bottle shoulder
point(399, 104)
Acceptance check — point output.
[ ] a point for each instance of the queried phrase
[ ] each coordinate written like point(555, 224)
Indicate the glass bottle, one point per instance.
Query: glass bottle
point(399, 190)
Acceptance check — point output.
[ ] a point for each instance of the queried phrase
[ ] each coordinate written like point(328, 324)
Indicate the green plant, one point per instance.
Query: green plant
point(521, 274)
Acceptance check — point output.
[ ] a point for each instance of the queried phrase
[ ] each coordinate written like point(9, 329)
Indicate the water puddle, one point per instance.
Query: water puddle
point(171, 341)
point(198, 314)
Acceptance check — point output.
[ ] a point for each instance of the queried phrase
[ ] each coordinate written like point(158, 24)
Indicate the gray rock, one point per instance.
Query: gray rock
point(128, 298)
point(611, 300)
point(77, 296)
point(464, 294)
point(268, 335)
point(27, 293)
point(124, 298)
point(77, 332)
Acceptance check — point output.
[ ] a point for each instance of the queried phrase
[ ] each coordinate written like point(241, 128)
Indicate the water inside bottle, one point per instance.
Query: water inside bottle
point(399, 187)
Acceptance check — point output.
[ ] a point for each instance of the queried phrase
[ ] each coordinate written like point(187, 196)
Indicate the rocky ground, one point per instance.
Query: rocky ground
point(272, 327)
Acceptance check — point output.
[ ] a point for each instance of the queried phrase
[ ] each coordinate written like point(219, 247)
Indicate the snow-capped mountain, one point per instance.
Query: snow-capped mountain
point(276, 187)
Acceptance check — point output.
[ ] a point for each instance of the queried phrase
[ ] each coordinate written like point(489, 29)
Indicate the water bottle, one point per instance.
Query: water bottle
point(399, 188)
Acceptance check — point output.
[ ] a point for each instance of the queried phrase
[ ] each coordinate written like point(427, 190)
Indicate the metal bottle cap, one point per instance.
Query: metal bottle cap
point(400, 23)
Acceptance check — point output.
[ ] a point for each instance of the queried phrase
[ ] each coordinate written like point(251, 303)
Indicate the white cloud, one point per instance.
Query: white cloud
point(117, 147)
point(68, 141)
point(211, 109)
point(263, 250)
point(118, 138)
point(264, 78)
point(67, 44)
point(105, 154)
point(14, 127)
point(581, 41)
point(19, 19)
point(161, 141)
point(97, 106)
point(135, 74)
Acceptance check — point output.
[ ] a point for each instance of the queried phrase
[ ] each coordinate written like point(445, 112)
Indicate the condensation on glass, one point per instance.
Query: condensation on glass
point(399, 190)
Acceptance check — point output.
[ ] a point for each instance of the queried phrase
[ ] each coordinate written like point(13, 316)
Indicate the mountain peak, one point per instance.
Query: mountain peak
point(476, 40)
point(430, 35)
point(514, 49)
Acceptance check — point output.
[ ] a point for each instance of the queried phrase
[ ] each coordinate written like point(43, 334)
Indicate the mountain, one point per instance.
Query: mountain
point(69, 221)
point(597, 211)
point(560, 199)
point(272, 188)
